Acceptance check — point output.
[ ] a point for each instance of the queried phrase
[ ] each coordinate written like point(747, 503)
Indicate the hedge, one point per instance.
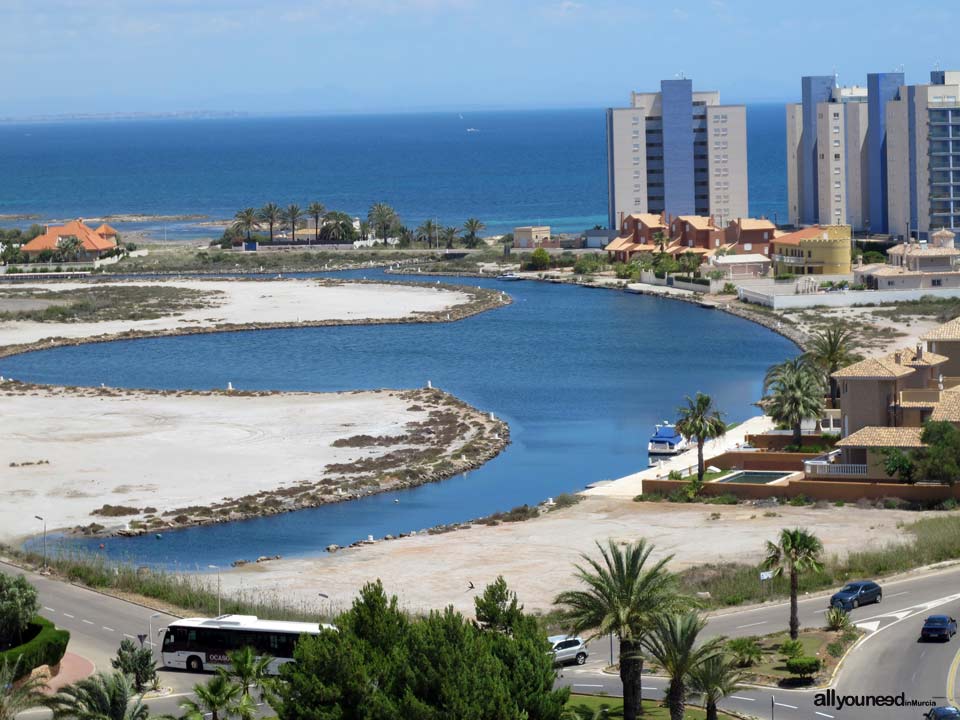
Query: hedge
point(46, 647)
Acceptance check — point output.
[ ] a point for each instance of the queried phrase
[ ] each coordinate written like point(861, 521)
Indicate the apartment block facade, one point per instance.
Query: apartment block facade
point(923, 157)
point(836, 161)
point(677, 152)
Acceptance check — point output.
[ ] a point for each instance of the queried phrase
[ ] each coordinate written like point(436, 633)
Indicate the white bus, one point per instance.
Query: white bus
point(199, 644)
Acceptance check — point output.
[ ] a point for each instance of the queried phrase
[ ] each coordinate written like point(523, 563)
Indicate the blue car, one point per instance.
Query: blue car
point(855, 594)
point(938, 627)
point(943, 713)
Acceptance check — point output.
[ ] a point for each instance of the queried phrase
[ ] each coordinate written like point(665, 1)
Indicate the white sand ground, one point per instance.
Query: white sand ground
point(170, 451)
point(536, 557)
point(248, 301)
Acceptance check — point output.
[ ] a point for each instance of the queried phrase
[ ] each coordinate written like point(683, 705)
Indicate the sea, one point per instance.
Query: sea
point(505, 168)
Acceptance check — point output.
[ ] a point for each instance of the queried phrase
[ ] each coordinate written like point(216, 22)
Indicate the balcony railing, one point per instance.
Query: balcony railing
point(822, 468)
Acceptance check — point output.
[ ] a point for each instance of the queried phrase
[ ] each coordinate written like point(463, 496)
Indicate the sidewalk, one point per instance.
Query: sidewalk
point(632, 485)
point(72, 668)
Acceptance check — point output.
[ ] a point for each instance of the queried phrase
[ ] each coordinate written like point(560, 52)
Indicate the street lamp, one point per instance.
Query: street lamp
point(44, 567)
point(150, 626)
point(217, 568)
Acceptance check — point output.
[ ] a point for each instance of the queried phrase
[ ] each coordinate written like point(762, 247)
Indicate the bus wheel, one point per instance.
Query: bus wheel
point(194, 664)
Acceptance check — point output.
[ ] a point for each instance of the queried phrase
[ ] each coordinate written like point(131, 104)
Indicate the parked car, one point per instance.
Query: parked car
point(855, 594)
point(948, 712)
point(568, 649)
point(938, 627)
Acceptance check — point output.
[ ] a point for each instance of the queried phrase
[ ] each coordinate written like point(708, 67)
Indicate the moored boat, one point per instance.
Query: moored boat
point(666, 440)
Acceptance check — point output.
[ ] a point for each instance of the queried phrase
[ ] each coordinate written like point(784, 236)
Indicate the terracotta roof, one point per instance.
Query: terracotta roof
point(794, 238)
point(883, 437)
point(922, 250)
point(879, 368)
point(106, 231)
point(649, 219)
point(947, 331)
point(89, 239)
point(618, 244)
point(753, 224)
point(948, 408)
point(908, 356)
point(699, 222)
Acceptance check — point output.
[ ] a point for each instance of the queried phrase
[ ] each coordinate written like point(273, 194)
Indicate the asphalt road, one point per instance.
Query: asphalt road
point(888, 661)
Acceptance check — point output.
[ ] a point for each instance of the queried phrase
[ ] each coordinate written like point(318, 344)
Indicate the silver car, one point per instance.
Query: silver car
point(568, 649)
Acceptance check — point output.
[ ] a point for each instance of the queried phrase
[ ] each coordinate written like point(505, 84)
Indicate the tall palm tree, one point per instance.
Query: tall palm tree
point(426, 232)
point(272, 215)
point(383, 219)
point(292, 215)
point(219, 697)
point(796, 551)
point(701, 419)
point(472, 227)
point(246, 221)
point(248, 669)
point(715, 678)
point(15, 699)
point(831, 350)
point(672, 642)
point(316, 210)
point(99, 697)
point(793, 392)
point(449, 235)
point(69, 248)
point(337, 227)
point(660, 238)
point(624, 594)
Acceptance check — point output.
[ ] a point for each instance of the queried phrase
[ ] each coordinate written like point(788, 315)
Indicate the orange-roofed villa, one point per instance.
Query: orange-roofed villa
point(93, 244)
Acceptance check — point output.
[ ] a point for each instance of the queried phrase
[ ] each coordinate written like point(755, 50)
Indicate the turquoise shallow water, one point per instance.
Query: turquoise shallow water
point(545, 166)
point(581, 375)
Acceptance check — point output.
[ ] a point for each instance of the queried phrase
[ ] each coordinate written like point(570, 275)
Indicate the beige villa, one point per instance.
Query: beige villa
point(915, 265)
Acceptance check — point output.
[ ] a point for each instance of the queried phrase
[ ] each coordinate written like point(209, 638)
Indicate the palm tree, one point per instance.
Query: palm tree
point(292, 216)
point(426, 232)
point(449, 234)
point(831, 350)
point(472, 227)
point(383, 219)
point(793, 392)
point(672, 642)
point(248, 669)
point(15, 699)
point(796, 551)
point(337, 227)
point(219, 697)
point(660, 238)
point(316, 210)
point(69, 248)
point(99, 697)
point(715, 678)
point(246, 221)
point(624, 595)
point(272, 215)
point(699, 418)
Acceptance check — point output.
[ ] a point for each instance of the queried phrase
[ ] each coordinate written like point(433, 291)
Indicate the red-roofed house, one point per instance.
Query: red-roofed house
point(93, 243)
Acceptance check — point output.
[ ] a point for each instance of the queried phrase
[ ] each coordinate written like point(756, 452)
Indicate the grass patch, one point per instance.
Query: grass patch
point(934, 540)
point(928, 306)
point(104, 302)
point(651, 710)
point(116, 511)
point(827, 645)
point(565, 500)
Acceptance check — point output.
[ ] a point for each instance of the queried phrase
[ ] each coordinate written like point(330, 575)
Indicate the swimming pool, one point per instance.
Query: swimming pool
point(755, 477)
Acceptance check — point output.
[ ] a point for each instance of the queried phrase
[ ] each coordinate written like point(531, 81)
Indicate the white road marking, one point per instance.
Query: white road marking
point(740, 627)
point(648, 688)
point(817, 712)
point(87, 622)
point(792, 707)
point(741, 697)
point(128, 635)
point(869, 626)
point(582, 685)
point(68, 615)
point(48, 609)
point(108, 629)
point(905, 592)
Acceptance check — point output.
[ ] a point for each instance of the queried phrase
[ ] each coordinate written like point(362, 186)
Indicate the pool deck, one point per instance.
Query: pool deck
point(632, 485)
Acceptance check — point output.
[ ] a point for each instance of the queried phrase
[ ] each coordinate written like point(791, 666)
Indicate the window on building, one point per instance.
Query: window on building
point(765, 235)
point(747, 247)
point(636, 146)
point(836, 171)
point(836, 142)
point(836, 116)
point(936, 282)
point(890, 283)
point(836, 129)
point(836, 183)
point(837, 198)
point(836, 156)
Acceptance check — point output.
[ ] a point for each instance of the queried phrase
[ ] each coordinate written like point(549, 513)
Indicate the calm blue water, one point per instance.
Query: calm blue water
point(520, 168)
point(581, 376)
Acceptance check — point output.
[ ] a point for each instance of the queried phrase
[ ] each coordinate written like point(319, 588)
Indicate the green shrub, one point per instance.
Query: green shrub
point(564, 500)
point(790, 649)
point(674, 475)
point(836, 648)
point(649, 497)
point(800, 501)
point(137, 663)
point(745, 650)
point(46, 646)
point(729, 289)
point(803, 666)
point(725, 499)
point(837, 619)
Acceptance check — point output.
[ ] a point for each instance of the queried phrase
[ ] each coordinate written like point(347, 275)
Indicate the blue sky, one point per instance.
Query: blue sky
point(296, 56)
